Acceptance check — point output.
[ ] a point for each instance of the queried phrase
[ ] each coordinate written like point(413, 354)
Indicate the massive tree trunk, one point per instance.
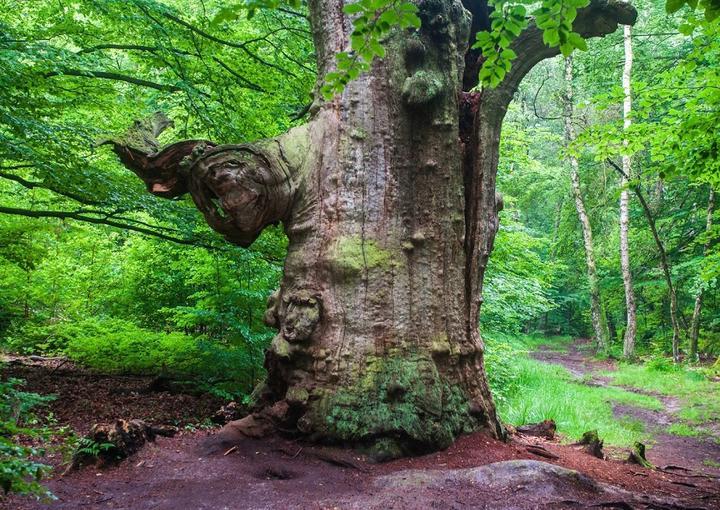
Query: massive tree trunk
point(631, 325)
point(388, 199)
point(599, 324)
point(697, 310)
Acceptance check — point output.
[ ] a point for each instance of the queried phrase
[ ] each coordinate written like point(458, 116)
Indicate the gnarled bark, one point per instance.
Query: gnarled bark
point(388, 199)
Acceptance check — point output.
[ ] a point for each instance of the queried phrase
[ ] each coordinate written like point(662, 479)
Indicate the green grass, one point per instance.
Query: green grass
point(551, 343)
point(529, 391)
point(699, 397)
point(683, 429)
point(543, 391)
point(711, 463)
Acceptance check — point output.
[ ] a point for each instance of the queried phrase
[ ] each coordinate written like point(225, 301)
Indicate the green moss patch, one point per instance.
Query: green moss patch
point(405, 401)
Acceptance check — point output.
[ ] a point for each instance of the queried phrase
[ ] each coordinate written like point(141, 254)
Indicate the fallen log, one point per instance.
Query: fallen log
point(544, 429)
point(109, 443)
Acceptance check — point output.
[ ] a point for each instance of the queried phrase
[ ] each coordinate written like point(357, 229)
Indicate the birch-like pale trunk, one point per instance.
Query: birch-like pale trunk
point(631, 325)
point(599, 326)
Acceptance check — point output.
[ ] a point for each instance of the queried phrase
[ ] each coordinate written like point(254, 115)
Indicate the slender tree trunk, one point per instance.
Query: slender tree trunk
point(631, 325)
point(695, 324)
point(664, 264)
point(388, 199)
point(599, 324)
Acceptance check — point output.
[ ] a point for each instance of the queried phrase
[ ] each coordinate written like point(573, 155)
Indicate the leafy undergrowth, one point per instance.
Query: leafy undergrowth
point(529, 391)
point(115, 346)
point(19, 426)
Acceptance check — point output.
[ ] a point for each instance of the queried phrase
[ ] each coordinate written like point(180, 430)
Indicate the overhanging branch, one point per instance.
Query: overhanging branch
point(117, 77)
point(598, 19)
point(35, 184)
point(83, 216)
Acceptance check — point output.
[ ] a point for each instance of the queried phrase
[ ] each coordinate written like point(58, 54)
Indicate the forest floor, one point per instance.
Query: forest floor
point(699, 452)
point(194, 471)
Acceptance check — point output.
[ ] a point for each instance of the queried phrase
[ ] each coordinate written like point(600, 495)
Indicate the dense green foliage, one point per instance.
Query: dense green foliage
point(673, 142)
point(160, 270)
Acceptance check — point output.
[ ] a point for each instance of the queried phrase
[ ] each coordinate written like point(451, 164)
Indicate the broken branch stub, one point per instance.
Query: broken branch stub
point(240, 189)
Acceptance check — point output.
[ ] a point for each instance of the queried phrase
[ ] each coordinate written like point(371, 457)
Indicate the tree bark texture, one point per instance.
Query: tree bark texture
point(388, 199)
point(697, 310)
point(631, 324)
point(599, 324)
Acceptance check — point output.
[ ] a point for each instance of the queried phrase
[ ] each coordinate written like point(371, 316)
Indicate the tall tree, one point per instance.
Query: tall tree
point(697, 310)
point(388, 199)
point(631, 324)
point(599, 324)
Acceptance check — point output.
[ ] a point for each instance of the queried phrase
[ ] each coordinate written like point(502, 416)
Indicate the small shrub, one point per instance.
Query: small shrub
point(500, 360)
point(660, 364)
point(18, 472)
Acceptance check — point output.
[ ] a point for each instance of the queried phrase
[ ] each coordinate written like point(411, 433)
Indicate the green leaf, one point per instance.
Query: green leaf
point(577, 41)
point(674, 5)
point(353, 8)
point(551, 37)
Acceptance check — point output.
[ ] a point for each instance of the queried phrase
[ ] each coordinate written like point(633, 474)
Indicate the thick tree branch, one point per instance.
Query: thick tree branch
point(240, 189)
point(134, 47)
point(83, 216)
point(117, 77)
point(36, 184)
point(598, 19)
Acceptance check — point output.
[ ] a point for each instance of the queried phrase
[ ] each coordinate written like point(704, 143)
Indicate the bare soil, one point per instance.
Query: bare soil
point(194, 471)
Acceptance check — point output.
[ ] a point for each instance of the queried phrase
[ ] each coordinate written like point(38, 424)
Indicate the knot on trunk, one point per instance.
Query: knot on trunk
point(240, 189)
point(299, 314)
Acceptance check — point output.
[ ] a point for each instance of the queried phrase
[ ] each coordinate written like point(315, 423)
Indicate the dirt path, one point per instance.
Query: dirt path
point(666, 449)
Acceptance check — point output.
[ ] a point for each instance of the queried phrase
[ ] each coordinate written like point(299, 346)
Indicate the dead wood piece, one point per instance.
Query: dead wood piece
point(109, 443)
point(688, 473)
point(592, 444)
point(686, 484)
point(544, 429)
point(231, 411)
point(637, 456)
point(335, 458)
point(541, 452)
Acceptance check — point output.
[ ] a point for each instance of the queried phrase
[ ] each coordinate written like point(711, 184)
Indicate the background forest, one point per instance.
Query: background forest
point(95, 269)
